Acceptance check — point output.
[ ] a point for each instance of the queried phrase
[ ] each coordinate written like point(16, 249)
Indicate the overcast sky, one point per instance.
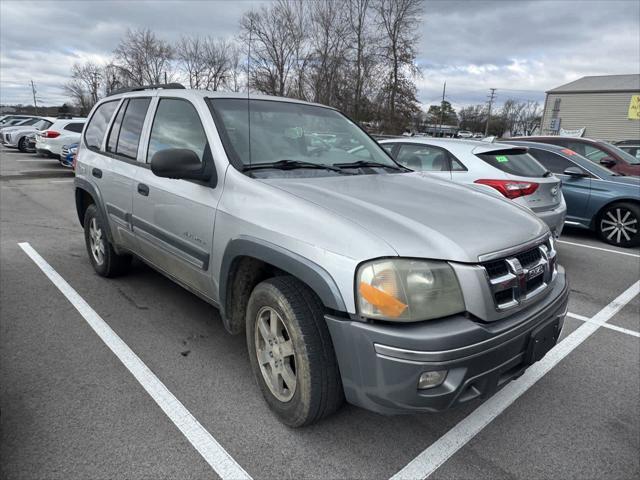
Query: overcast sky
point(520, 47)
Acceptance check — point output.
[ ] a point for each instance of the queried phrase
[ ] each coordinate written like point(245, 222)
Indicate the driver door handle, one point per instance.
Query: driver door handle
point(143, 189)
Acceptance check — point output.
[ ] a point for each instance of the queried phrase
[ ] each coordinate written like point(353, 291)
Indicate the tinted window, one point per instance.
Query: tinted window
point(552, 161)
point(515, 162)
point(74, 127)
point(176, 125)
point(112, 142)
point(98, 124)
point(131, 128)
point(423, 158)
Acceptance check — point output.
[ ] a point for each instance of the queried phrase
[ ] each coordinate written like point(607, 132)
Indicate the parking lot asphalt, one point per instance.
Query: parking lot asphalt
point(70, 409)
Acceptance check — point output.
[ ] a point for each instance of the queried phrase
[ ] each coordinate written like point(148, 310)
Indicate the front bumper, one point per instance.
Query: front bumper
point(380, 363)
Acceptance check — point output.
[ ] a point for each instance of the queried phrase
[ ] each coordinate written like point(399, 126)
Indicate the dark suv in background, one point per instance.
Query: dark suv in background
point(599, 152)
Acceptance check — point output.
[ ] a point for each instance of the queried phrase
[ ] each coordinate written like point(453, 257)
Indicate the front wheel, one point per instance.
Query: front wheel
point(22, 145)
point(619, 225)
point(291, 352)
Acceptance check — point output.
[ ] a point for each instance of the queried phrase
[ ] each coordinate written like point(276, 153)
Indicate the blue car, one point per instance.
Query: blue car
point(67, 153)
point(597, 198)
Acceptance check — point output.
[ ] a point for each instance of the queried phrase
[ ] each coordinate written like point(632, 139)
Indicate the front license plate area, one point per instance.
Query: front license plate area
point(542, 340)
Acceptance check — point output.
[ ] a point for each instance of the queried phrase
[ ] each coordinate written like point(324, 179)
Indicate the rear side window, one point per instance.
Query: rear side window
point(98, 124)
point(552, 161)
point(131, 127)
point(176, 125)
point(423, 158)
point(515, 162)
point(74, 127)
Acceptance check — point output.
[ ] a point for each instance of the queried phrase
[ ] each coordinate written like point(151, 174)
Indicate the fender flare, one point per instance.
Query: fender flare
point(83, 185)
point(312, 274)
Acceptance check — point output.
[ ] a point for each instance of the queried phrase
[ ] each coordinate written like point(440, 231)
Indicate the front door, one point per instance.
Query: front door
point(173, 219)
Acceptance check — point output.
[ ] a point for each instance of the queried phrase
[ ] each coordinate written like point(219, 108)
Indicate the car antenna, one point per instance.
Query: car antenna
point(248, 98)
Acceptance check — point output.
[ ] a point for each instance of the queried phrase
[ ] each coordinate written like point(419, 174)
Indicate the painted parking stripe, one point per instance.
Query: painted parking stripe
point(598, 248)
point(633, 333)
point(442, 449)
point(214, 454)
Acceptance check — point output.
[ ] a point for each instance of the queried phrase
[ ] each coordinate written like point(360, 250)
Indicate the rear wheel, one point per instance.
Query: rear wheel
point(106, 262)
point(619, 224)
point(22, 144)
point(291, 352)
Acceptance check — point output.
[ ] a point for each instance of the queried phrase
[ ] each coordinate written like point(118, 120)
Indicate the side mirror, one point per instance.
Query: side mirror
point(607, 162)
point(575, 172)
point(179, 163)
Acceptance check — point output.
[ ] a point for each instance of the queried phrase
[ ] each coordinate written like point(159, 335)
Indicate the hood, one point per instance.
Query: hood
point(625, 180)
point(421, 217)
point(19, 128)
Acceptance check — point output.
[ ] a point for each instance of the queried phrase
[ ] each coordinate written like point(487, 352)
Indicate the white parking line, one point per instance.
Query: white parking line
point(598, 248)
point(442, 449)
point(216, 456)
point(48, 160)
point(70, 180)
point(633, 333)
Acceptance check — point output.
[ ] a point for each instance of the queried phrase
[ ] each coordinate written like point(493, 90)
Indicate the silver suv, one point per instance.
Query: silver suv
point(351, 276)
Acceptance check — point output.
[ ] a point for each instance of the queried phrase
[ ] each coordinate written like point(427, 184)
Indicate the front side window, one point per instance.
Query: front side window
point(514, 161)
point(98, 124)
point(423, 158)
point(177, 125)
point(265, 132)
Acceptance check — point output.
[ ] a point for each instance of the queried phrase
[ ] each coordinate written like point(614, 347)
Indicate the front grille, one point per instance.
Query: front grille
point(517, 278)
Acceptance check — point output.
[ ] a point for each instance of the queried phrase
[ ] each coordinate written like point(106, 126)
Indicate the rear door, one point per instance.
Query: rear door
point(173, 219)
point(121, 166)
point(576, 190)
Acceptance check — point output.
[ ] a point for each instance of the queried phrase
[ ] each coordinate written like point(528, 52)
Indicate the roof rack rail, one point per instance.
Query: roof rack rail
point(147, 87)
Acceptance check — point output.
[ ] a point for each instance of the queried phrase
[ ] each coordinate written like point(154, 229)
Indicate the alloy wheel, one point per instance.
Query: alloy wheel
point(619, 225)
point(96, 240)
point(275, 353)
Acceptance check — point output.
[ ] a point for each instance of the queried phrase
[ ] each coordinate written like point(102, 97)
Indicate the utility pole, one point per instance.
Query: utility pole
point(444, 89)
point(35, 103)
point(492, 96)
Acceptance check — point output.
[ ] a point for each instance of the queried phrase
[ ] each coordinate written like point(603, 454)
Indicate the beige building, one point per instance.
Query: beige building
point(603, 107)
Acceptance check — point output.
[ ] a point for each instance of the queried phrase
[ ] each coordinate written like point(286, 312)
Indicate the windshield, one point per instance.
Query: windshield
point(293, 132)
point(515, 162)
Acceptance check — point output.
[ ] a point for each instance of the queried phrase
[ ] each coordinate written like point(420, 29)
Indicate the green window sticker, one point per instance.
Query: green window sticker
point(502, 158)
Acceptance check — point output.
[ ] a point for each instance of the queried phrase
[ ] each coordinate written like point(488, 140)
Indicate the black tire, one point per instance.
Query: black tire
point(111, 264)
point(318, 391)
point(617, 222)
point(22, 145)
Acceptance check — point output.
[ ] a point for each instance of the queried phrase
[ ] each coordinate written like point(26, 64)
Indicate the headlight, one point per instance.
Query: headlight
point(407, 290)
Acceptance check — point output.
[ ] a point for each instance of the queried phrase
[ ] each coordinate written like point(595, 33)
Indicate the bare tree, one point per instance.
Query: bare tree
point(273, 48)
point(236, 68)
point(191, 57)
point(398, 19)
point(218, 62)
point(85, 85)
point(361, 47)
point(143, 58)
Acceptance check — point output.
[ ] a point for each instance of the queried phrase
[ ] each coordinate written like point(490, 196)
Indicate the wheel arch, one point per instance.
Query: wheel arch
point(254, 260)
point(85, 195)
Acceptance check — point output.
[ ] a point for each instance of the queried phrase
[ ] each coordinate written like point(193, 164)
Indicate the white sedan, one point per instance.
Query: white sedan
point(498, 167)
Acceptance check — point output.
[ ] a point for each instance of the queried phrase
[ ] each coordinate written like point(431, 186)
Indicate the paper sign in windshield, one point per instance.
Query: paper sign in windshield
point(502, 158)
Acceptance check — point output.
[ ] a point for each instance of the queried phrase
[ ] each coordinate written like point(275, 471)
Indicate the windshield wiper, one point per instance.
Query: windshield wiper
point(365, 163)
point(546, 174)
point(290, 165)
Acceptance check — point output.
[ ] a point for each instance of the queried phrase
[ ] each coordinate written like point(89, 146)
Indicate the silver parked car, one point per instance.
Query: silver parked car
point(17, 137)
point(350, 276)
point(507, 169)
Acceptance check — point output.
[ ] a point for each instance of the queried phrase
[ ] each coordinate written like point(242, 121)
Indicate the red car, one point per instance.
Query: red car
point(600, 152)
